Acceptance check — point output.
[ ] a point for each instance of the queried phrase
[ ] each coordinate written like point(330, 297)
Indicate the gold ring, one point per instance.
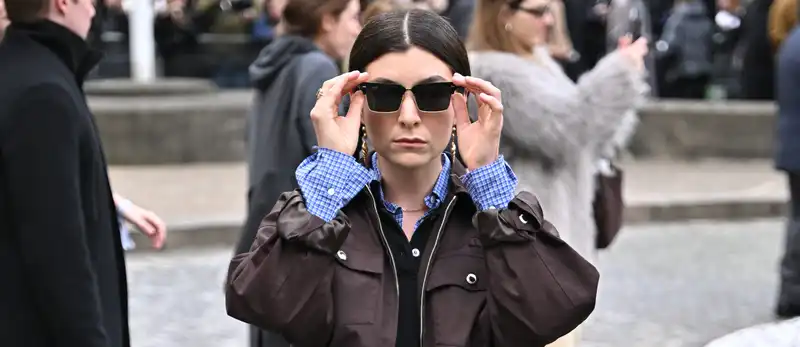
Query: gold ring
point(319, 93)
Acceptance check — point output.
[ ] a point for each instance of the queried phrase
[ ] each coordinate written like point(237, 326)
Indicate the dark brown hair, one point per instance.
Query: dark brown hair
point(304, 17)
point(26, 10)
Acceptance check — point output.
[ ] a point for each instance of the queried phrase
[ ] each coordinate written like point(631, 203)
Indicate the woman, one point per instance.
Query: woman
point(286, 75)
point(409, 246)
point(556, 131)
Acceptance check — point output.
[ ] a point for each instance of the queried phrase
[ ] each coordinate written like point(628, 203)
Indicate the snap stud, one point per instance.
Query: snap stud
point(471, 278)
point(522, 219)
point(341, 255)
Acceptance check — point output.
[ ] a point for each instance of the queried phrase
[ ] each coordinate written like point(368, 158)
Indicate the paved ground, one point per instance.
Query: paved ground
point(679, 285)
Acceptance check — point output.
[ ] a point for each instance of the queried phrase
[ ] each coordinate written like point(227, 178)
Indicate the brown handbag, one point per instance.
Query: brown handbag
point(608, 207)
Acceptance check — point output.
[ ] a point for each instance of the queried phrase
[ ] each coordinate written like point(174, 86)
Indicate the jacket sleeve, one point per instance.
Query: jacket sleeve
point(539, 288)
point(284, 283)
point(40, 153)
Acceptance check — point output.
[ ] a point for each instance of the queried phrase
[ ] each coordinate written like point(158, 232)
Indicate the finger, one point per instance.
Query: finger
point(352, 84)
point(145, 227)
point(494, 104)
point(159, 230)
point(462, 114)
point(483, 86)
point(353, 117)
point(624, 41)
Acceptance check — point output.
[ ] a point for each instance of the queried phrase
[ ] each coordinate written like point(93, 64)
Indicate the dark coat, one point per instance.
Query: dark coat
point(788, 124)
point(489, 278)
point(287, 75)
point(61, 259)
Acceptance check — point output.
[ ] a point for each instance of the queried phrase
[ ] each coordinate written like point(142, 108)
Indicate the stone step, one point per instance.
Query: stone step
point(207, 126)
point(204, 204)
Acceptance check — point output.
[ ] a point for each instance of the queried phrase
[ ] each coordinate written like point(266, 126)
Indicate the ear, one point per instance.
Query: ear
point(61, 5)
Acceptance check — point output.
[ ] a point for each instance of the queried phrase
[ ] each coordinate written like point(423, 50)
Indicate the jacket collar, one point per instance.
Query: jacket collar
point(73, 50)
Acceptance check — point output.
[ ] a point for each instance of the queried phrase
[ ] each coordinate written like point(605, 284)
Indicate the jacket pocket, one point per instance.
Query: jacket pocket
point(357, 286)
point(455, 297)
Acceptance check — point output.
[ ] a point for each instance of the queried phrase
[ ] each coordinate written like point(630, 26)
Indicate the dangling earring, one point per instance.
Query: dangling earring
point(364, 147)
point(508, 27)
point(453, 144)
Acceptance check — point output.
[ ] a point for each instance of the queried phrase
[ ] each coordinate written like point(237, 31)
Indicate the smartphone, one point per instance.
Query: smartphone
point(634, 24)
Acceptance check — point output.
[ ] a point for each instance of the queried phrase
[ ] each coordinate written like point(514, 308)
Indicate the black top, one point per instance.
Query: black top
point(408, 257)
point(61, 260)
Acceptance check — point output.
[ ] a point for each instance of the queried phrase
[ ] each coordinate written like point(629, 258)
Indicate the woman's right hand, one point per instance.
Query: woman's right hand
point(635, 50)
point(334, 132)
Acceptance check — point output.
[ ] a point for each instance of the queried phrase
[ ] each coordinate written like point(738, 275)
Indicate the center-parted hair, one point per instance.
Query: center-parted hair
point(397, 31)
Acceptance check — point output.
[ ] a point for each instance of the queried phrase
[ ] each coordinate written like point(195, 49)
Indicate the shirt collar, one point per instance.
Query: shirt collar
point(440, 188)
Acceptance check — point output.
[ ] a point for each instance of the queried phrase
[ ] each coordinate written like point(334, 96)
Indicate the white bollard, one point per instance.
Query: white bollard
point(141, 19)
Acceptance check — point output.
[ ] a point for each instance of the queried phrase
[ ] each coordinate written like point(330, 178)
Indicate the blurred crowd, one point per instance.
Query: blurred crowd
point(698, 47)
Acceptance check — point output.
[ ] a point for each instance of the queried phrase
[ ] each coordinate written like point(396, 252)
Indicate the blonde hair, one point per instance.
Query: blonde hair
point(376, 8)
point(488, 31)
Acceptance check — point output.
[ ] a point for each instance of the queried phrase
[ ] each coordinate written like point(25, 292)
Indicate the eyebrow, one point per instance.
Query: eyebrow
point(431, 79)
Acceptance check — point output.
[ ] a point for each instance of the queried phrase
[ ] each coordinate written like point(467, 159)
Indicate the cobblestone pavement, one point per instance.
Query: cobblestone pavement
point(679, 285)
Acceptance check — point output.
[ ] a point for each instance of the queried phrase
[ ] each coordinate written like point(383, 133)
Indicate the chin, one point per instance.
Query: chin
point(410, 160)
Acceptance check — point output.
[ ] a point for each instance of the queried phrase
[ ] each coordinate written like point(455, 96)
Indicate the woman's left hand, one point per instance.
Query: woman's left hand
point(478, 142)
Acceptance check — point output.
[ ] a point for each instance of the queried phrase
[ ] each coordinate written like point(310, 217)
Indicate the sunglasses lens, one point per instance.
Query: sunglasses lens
point(433, 97)
point(383, 97)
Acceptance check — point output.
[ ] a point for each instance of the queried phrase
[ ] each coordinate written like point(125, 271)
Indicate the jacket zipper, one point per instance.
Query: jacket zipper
point(427, 270)
point(388, 249)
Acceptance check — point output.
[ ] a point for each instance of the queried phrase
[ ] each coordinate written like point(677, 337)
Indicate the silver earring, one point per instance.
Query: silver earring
point(508, 27)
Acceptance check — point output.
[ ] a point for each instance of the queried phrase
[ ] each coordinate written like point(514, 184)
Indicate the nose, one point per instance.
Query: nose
point(409, 116)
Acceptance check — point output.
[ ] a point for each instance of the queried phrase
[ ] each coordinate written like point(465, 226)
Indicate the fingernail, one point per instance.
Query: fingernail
point(457, 75)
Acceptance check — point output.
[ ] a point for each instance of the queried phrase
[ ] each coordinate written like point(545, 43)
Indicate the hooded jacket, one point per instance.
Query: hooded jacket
point(286, 76)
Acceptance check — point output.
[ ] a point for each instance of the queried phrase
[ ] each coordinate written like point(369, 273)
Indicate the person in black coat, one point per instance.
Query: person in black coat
point(787, 159)
point(61, 260)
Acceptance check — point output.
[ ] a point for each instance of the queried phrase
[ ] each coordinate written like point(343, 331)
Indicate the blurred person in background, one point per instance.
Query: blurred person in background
point(684, 51)
point(787, 159)
point(754, 50)
point(315, 35)
point(556, 132)
point(231, 22)
point(727, 31)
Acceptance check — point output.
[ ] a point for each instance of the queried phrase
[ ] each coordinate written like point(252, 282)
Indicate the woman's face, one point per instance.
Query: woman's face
point(531, 21)
point(339, 33)
point(402, 134)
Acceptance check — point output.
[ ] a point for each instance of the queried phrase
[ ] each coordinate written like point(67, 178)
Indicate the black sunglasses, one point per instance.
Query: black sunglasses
point(537, 12)
point(429, 97)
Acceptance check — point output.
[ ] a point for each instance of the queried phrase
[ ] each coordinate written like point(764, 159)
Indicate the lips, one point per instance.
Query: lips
point(410, 141)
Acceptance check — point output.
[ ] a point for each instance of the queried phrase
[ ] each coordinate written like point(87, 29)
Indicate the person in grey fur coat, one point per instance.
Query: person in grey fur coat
point(556, 131)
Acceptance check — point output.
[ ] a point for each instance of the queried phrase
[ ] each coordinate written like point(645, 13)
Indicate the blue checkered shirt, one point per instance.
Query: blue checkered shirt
point(330, 179)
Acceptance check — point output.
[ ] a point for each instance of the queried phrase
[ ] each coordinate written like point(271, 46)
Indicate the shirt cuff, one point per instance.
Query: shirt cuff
point(328, 181)
point(491, 186)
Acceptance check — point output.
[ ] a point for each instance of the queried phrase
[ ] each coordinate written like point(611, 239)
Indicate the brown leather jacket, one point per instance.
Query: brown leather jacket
point(491, 278)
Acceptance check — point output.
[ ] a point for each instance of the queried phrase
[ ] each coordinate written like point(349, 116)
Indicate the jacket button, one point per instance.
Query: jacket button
point(341, 255)
point(522, 219)
point(471, 278)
